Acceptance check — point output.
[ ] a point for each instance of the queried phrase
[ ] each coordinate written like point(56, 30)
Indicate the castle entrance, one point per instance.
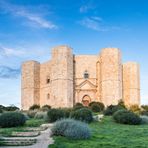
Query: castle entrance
point(86, 100)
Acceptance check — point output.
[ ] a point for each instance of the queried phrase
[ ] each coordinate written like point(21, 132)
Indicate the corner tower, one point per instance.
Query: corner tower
point(30, 84)
point(62, 76)
point(111, 76)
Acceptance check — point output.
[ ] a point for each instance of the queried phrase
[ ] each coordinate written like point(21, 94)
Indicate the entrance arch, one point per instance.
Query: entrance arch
point(86, 100)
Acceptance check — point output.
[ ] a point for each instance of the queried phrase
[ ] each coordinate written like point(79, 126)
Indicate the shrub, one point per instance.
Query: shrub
point(12, 119)
point(98, 105)
point(55, 114)
point(83, 114)
point(135, 108)
point(121, 103)
point(40, 115)
point(67, 112)
point(110, 110)
point(32, 113)
point(71, 129)
point(145, 113)
point(144, 119)
point(46, 107)
point(78, 106)
point(34, 107)
point(11, 108)
point(126, 117)
point(145, 107)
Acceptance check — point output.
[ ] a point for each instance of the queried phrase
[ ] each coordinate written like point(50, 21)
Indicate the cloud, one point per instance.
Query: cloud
point(96, 23)
point(8, 72)
point(32, 18)
point(4, 51)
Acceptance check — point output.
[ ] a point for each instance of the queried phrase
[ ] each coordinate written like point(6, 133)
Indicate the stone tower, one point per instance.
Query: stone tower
point(111, 76)
point(131, 83)
point(62, 76)
point(30, 84)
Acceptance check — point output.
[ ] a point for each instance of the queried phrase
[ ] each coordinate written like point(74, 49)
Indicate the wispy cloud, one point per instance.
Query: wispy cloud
point(4, 51)
point(8, 72)
point(96, 23)
point(34, 18)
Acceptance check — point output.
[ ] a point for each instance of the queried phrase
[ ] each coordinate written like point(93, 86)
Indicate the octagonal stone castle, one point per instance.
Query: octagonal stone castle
point(67, 79)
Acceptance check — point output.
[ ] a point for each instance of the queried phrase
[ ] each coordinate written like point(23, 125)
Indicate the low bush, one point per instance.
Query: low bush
point(78, 106)
point(110, 110)
point(145, 107)
point(46, 108)
point(67, 112)
point(12, 119)
point(96, 106)
point(11, 108)
point(82, 114)
point(32, 113)
point(145, 113)
point(135, 109)
point(144, 119)
point(40, 115)
point(126, 117)
point(55, 114)
point(71, 129)
point(34, 107)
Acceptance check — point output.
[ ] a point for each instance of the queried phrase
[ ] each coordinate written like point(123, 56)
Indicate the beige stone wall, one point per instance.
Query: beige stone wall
point(30, 84)
point(111, 76)
point(131, 83)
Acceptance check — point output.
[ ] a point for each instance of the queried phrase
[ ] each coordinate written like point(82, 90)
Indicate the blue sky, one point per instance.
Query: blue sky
point(30, 28)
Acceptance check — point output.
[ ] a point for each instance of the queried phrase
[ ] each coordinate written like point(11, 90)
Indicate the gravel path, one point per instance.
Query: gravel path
point(42, 141)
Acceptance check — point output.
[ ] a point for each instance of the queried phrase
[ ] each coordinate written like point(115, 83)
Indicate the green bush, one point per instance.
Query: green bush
point(145, 113)
point(67, 112)
point(46, 107)
point(96, 106)
point(11, 108)
point(71, 129)
point(34, 107)
point(78, 106)
point(126, 117)
point(55, 114)
point(12, 119)
point(82, 114)
point(110, 110)
point(40, 115)
point(135, 109)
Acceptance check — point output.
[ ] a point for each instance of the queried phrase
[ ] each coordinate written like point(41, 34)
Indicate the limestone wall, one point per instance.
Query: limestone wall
point(111, 76)
point(62, 77)
point(30, 84)
point(131, 83)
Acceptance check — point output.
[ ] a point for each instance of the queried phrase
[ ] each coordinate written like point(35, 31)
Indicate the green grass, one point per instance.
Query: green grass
point(29, 123)
point(108, 134)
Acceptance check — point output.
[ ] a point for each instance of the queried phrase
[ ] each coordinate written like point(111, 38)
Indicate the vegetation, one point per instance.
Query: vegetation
point(145, 107)
point(96, 106)
point(135, 109)
point(108, 134)
point(46, 107)
point(34, 107)
point(126, 117)
point(12, 119)
point(55, 114)
point(71, 129)
point(78, 106)
point(40, 115)
point(82, 114)
point(110, 110)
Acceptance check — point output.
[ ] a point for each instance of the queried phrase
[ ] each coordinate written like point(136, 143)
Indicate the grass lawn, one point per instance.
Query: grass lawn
point(108, 134)
point(29, 123)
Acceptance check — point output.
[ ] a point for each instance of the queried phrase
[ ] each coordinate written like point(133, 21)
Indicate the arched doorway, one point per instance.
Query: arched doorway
point(86, 100)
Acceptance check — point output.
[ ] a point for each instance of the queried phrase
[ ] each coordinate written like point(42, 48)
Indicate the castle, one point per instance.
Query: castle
point(67, 79)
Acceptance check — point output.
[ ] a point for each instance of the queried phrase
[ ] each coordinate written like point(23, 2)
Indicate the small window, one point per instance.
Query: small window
point(48, 80)
point(48, 96)
point(86, 75)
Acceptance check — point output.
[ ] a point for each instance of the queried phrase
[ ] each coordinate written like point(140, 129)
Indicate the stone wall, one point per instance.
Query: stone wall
point(30, 84)
point(131, 83)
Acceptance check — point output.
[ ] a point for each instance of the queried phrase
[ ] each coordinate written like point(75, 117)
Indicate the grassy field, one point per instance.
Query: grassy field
point(108, 134)
point(29, 123)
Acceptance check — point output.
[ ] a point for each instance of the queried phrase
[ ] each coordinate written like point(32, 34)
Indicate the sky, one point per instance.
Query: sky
point(30, 28)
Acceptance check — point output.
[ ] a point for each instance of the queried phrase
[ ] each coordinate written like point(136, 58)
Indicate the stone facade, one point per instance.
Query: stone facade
point(67, 79)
